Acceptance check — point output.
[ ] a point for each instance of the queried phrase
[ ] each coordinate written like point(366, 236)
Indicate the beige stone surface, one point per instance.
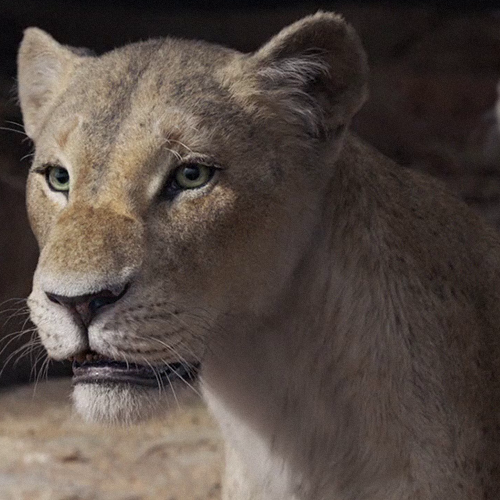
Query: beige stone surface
point(48, 453)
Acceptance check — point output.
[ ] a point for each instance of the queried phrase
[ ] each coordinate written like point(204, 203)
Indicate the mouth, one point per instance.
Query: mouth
point(96, 369)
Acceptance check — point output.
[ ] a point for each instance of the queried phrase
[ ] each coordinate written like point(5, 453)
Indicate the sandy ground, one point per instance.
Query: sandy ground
point(48, 453)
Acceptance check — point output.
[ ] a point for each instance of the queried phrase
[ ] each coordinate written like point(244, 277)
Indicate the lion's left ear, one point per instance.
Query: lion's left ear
point(316, 70)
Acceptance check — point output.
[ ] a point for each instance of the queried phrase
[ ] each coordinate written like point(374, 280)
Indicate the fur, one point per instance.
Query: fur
point(344, 310)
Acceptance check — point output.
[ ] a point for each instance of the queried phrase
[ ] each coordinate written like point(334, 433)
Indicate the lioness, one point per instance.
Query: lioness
point(205, 214)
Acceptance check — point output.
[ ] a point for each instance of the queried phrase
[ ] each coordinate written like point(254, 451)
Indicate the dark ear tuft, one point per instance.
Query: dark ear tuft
point(316, 70)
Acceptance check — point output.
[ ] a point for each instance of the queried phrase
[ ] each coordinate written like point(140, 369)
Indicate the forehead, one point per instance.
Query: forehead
point(154, 86)
point(174, 68)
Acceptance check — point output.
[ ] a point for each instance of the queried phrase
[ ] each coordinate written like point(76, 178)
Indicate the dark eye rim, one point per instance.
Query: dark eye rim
point(45, 170)
point(172, 188)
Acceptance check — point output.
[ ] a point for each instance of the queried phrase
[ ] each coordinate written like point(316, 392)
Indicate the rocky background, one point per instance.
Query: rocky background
point(432, 108)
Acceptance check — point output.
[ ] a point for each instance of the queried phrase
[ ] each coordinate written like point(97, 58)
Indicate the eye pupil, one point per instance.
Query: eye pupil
point(58, 178)
point(61, 176)
point(191, 176)
point(192, 172)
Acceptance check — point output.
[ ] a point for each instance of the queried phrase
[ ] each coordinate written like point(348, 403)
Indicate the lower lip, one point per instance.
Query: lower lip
point(115, 372)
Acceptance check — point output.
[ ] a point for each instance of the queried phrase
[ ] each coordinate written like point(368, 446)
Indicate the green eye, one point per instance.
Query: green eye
point(58, 179)
point(193, 176)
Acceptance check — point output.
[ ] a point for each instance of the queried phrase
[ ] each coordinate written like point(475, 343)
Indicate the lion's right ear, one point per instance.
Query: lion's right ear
point(43, 70)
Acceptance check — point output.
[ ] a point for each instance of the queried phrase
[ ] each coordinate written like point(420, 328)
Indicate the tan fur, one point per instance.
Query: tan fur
point(345, 310)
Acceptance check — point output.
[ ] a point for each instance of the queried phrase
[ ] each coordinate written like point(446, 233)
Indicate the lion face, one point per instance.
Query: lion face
point(173, 191)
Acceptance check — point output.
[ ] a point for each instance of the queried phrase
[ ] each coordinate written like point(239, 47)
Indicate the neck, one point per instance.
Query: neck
point(310, 376)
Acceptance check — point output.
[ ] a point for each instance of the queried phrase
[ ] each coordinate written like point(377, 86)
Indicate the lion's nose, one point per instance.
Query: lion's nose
point(85, 307)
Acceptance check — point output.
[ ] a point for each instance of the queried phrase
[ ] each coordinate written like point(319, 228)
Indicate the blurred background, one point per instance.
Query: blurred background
point(435, 67)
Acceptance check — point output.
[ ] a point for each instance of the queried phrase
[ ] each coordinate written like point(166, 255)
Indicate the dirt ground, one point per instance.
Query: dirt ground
point(48, 453)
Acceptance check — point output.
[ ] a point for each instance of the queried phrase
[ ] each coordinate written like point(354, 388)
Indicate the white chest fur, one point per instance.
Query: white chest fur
point(252, 471)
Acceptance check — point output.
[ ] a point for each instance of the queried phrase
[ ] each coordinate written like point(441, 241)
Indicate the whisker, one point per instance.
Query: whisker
point(14, 299)
point(157, 376)
point(175, 153)
point(21, 352)
point(33, 372)
point(178, 356)
point(17, 313)
point(30, 346)
point(18, 333)
point(11, 122)
point(47, 367)
point(28, 155)
point(14, 130)
point(183, 360)
point(15, 309)
point(172, 387)
point(44, 366)
point(182, 144)
point(14, 336)
point(25, 323)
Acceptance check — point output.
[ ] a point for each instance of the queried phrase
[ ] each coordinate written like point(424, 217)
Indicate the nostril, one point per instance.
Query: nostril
point(86, 306)
point(57, 299)
point(106, 297)
point(96, 304)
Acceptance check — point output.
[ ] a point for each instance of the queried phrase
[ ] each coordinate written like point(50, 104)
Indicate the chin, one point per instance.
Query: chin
point(116, 393)
point(118, 404)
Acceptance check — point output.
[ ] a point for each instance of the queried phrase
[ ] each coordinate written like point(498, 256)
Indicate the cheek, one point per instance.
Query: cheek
point(41, 210)
point(223, 244)
point(194, 227)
